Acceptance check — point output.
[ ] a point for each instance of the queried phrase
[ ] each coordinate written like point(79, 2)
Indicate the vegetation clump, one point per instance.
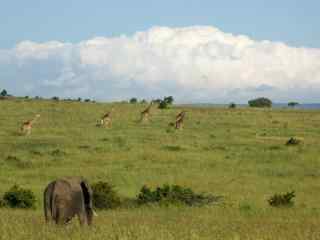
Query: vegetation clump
point(293, 141)
point(166, 102)
point(293, 104)
point(279, 200)
point(18, 197)
point(104, 196)
point(133, 100)
point(232, 105)
point(4, 93)
point(55, 98)
point(260, 102)
point(174, 194)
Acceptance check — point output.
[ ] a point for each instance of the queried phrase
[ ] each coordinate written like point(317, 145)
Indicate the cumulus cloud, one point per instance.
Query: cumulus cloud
point(193, 64)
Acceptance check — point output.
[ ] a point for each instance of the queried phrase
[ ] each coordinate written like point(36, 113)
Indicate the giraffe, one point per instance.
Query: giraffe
point(26, 126)
point(145, 114)
point(106, 119)
point(179, 120)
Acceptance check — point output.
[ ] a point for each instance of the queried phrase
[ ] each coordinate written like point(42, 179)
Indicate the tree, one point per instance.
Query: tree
point(260, 102)
point(163, 104)
point(166, 102)
point(293, 104)
point(169, 99)
point(55, 98)
point(4, 93)
point(232, 105)
point(133, 100)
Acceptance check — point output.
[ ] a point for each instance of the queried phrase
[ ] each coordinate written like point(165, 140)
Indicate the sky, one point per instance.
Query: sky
point(196, 51)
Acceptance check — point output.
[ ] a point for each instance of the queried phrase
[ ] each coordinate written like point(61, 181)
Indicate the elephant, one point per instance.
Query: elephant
point(66, 197)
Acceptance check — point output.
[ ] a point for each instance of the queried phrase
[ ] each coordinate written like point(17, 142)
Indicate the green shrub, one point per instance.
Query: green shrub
point(163, 105)
point(18, 197)
point(133, 100)
point(166, 102)
point(293, 104)
point(104, 196)
point(279, 200)
point(260, 102)
point(293, 141)
point(232, 105)
point(57, 153)
point(169, 99)
point(4, 93)
point(173, 194)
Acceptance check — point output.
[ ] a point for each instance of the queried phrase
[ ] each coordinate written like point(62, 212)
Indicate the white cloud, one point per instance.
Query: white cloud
point(192, 64)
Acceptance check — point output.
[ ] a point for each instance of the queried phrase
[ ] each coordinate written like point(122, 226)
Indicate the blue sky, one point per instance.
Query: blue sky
point(196, 51)
point(291, 21)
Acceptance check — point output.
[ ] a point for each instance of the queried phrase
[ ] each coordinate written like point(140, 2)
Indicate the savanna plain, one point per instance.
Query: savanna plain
point(240, 154)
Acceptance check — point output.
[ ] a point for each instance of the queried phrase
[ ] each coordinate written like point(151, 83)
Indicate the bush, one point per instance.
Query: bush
point(174, 194)
point(55, 98)
point(169, 99)
point(232, 105)
point(4, 93)
point(163, 105)
point(293, 141)
point(166, 102)
point(104, 196)
point(133, 100)
point(279, 200)
point(293, 104)
point(87, 100)
point(18, 197)
point(260, 102)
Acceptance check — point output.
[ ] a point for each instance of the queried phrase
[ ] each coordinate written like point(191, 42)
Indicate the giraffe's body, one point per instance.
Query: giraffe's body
point(27, 126)
point(106, 120)
point(145, 114)
point(179, 120)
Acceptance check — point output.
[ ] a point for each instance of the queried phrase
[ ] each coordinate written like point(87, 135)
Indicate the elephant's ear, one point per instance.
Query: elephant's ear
point(87, 193)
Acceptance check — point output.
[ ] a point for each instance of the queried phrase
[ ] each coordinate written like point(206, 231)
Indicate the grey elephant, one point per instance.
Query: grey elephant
point(67, 197)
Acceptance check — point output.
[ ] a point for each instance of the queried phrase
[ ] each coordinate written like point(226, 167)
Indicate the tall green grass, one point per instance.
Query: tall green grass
point(237, 153)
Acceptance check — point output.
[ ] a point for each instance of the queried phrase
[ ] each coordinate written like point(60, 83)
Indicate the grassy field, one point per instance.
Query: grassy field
point(237, 153)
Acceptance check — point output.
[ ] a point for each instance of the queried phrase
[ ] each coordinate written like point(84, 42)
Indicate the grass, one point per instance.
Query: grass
point(237, 153)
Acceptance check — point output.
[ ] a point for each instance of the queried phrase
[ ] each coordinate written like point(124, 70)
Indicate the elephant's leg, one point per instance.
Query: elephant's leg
point(82, 218)
point(47, 211)
point(59, 216)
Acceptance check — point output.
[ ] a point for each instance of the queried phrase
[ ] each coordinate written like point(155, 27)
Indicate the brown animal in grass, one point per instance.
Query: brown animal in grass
point(106, 120)
point(179, 120)
point(26, 126)
point(145, 114)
